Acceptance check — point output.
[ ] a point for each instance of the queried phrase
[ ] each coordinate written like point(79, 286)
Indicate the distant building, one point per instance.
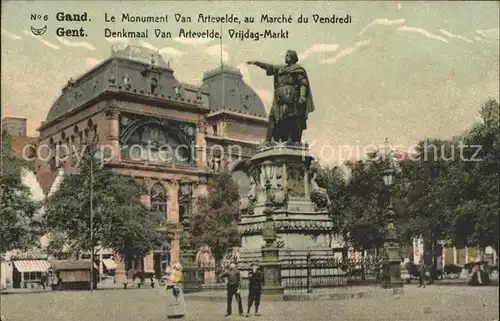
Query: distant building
point(132, 103)
point(15, 126)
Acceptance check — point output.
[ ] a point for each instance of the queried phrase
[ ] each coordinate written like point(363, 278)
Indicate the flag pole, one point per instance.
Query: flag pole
point(222, 69)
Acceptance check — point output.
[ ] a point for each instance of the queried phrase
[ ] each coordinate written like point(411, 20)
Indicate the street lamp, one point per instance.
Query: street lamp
point(389, 176)
point(391, 246)
point(268, 232)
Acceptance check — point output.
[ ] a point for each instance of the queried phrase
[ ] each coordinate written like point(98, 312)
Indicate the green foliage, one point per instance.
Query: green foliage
point(120, 221)
point(476, 179)
point(19, 228)
point(365, 201)
point(423, 206)
point(215, 222)
point(332, 179)
point(451, 192)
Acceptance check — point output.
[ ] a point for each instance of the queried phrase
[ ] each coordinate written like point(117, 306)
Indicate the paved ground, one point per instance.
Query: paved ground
point(435, 303)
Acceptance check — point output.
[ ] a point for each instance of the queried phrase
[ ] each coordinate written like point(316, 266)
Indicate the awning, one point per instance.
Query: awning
point(32, 265)
point(109, 264)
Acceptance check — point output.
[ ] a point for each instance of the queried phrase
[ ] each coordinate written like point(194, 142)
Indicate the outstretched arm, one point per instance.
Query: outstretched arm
point(269, 68)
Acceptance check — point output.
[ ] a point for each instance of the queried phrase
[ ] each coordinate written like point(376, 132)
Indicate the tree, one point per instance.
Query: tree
point(365, 200)
point(120, 221)
point(332, 179)
point(19, 228)
point(476, 183)
point(215, 222)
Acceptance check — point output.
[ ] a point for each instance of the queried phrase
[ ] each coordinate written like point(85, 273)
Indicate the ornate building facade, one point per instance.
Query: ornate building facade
point(168, 135)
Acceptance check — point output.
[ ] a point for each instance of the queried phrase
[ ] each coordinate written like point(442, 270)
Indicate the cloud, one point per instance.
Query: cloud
point(322, 47)
point(381, 22)
point(77, 44)
point(171, 52)
point(265, 95)
point(39, 38)
point(11, 35)
point(347, 51)
point(118, 40)
point(450, 35)
point(193, 41)
point(423, 32)
point(480, 39)
point(216, 52)
point(90, 61)
point(147, 45)
point(490, 34)
point(167, 51)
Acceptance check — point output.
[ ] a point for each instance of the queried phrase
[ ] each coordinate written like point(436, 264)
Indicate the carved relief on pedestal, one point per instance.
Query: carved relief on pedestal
point(295, 180)
point(319, 196)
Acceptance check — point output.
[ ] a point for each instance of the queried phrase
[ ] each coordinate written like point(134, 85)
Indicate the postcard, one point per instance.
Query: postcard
point(160, 158)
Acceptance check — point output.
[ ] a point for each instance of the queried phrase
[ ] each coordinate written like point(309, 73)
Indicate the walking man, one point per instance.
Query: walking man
point(421, 274)
point(255, 286)
point(233, 277)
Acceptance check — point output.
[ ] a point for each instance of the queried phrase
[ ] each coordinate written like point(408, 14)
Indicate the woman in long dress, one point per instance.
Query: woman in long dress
point(176, 306)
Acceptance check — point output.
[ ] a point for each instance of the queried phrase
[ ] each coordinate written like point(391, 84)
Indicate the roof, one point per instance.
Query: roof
point(32, 265)
point(129, 70)
point(71, 265)
point(228, 91)
point(132, 69)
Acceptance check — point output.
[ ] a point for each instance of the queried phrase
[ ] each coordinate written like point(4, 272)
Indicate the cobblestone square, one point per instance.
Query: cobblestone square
point(434, 303)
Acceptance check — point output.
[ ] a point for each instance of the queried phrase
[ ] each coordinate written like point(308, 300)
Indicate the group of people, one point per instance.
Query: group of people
point(233, 277)
point(175, 299)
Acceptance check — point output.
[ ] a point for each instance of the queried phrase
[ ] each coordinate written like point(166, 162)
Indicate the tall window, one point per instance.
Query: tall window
point(159, 201)
point(185, 192)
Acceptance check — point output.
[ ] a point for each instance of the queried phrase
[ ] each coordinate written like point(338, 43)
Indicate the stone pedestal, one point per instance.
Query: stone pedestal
point(299, 208)
point(272, 288)
point(392, 268)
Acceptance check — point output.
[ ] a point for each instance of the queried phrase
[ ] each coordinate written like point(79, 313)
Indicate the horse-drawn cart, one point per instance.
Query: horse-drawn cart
point(138, 276)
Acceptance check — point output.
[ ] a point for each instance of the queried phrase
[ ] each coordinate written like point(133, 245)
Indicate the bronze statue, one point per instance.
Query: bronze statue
point(292, 99)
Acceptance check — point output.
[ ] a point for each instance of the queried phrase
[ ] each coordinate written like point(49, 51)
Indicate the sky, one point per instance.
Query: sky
point(402, 71)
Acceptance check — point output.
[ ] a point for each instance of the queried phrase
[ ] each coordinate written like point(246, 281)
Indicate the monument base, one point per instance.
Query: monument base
point(271, 267)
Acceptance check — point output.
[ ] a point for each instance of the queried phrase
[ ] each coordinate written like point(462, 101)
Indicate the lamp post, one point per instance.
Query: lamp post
point(268, 231)
point(96, 155)
point(391, 245)
point(270, 253)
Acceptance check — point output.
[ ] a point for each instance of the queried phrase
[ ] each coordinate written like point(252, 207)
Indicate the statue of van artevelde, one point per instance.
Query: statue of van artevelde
point(292, 101)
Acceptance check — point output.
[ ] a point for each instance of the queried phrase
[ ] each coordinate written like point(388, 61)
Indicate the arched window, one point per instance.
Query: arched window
point(159, 201)
point(185, 196)
point(156, 144)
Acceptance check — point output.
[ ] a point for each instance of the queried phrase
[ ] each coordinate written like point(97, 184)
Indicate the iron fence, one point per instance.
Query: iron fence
point(307, 275)
point(330, 273)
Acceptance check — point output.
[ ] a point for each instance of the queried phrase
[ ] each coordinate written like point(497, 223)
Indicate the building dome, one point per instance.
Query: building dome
point(124, 70)
point(228, 91)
